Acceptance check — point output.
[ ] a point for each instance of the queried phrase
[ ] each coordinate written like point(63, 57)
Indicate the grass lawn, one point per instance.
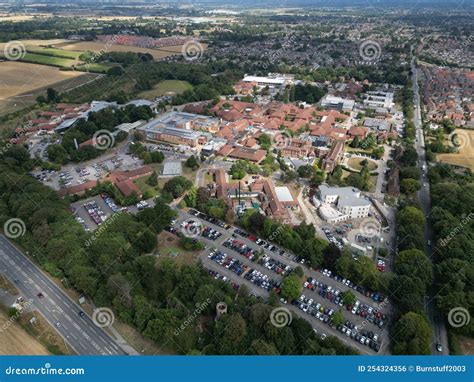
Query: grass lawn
point(355, 164)
point(169, 248)
point(189, 173)
point(208, 178)
point(48, 60)
point(146, 188)
point(54, 52)
point(373, 180)
point(7, 286)
point(350, 149)
point(166, 87)
point(94, 68)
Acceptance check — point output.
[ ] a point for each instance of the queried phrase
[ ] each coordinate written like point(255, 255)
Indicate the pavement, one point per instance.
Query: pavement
point(288, 259)
point(439, 329)
point(61, 312)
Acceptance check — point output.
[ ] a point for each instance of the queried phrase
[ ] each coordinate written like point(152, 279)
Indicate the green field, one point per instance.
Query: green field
point(54, 52)
point(94, 68)
point(166, 87)
point(146, 188)
point(48, 60)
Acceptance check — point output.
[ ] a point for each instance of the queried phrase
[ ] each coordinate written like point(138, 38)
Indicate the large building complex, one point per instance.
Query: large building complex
point(347, 201)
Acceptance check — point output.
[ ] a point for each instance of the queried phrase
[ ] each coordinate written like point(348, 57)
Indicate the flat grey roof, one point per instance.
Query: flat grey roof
point(347, 196)
point(172, 168)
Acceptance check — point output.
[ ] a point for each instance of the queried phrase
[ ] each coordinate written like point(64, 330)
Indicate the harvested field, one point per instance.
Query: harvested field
point(21, 83)
point(14, 340)
point(19, 77)
point(464, 139)
point(95, 46)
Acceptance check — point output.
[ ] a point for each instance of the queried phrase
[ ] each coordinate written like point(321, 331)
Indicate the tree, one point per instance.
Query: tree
point(355, 142)
point(411, 335)
point(265, 141)
point(153, 179)
point(177, 186)
point(52, 95)
point(348, 297)
point(291, 287)
point(409, 186)
point(57, 154)
point(299, 271)
point(337, 318)
point(306, 171)
point(414, 263)
point(408, 293)
point(192, 163)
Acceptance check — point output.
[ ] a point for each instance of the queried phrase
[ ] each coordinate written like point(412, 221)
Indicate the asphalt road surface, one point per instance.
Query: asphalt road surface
point(80, 333)
point(439, 329)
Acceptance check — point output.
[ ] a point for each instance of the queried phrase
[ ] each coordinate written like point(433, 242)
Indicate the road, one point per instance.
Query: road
point(287, 259)
point(83, 336)
point(439, 329)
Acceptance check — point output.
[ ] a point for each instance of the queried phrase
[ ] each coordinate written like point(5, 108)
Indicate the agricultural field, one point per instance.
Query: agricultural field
point(42, 59)
point(166, 87)
point(53, 52)
point(15, 340)
point(95, 46)
point(23, 82)
point(465, 156)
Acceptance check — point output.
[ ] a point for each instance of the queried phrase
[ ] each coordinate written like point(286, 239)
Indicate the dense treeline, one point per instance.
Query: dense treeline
point(112, 87)
point(173, 306)
point(452, 199)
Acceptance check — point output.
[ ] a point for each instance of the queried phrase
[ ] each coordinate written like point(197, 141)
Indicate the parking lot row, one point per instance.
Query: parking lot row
point(371, 315)
point(348, 328)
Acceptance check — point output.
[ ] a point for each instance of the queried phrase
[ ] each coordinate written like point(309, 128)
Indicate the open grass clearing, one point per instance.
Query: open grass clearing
point(169, 248)
point(96, 46)
point(54, 52)
point(356, 163)
point(166, 87)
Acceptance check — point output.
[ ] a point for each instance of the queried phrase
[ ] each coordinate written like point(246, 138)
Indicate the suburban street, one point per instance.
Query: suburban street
point(287, 259)
point(80, 332)
point(439, 329)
